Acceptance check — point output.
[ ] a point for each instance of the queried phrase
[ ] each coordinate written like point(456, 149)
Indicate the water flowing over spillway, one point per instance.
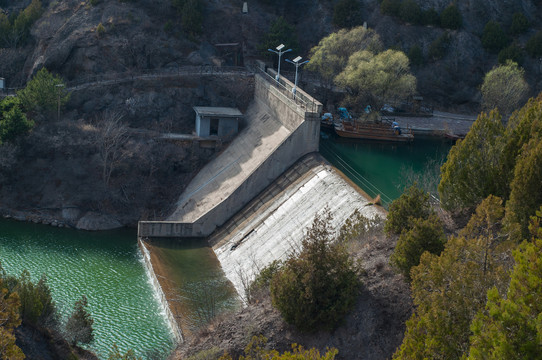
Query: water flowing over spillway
point(107, 267)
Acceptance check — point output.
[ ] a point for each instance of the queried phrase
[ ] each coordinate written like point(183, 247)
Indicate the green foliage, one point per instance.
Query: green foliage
point(256, 350)
point(535, 225)
point(42, 94)
point(415, 55)
point(280, 32)
point(534, 45)
point(191, 12)
point(263, 279)
point(494, 38)
point(486, 221)
point(447, 292)
point(100, 30)
point(431, 17)
point(511, 53)
point(526, 194)
point(390, 7)
point(511, 326)
point(439, 46)
point(15, 29)
point(347, 13)
point(472, 171)
point(523, 125)
point(450, 18)
point(331, 54)
point(168, 26)
point(79, 326)
point(376, 79)
point(37, 305)
point(412, 204)
point(9, 320)
point(520, 24)
point(319, 287)
point(192, 17)
point(115, 354)
point(504, 88)
point(423, 235)
point(410, 12)
point(13, 122)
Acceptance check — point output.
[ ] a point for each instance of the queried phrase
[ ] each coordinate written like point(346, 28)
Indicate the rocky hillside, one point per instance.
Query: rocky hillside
point(140, 35)
point(89, 41)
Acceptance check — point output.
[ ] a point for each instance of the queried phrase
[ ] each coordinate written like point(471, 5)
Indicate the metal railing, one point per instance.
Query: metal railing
point(306, 104)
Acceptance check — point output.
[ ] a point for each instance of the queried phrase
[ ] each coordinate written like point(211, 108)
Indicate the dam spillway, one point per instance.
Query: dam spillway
point(273, 225)
point(254, 201)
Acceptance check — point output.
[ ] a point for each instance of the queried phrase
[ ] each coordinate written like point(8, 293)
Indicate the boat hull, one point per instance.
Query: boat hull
point(373, 132)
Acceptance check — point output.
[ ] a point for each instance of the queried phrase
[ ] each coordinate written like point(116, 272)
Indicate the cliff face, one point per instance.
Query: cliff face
point(135, 39)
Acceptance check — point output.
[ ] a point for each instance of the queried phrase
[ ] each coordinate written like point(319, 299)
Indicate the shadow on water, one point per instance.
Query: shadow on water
point(193, 281)
point(382, 167)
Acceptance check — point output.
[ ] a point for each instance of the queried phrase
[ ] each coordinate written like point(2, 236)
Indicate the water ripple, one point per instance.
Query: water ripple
point(104, 267)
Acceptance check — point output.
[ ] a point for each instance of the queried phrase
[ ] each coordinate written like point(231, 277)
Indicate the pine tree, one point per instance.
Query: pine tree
point(473, 169)
point(9, 320)
point(511, 327)
point(79, 326)
point(448, 290)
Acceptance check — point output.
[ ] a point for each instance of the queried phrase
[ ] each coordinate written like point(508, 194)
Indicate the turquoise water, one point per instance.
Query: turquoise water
point(106, 267)
point(197, 282)
point(383, 168)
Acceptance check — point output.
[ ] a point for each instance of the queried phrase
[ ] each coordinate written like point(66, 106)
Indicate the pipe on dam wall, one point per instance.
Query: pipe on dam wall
point(173, 324)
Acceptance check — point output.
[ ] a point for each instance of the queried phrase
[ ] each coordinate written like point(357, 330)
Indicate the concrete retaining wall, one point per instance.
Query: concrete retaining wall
point(305, 132)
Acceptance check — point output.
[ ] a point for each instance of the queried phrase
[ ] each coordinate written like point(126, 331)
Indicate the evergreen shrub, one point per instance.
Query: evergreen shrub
point(319, 287)
point(451, 18)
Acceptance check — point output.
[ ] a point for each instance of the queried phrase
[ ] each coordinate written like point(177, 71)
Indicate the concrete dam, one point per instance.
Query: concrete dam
point(254, 201)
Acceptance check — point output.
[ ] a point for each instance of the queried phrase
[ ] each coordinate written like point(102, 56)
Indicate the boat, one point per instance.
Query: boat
point(383, 130)
point(327, 123)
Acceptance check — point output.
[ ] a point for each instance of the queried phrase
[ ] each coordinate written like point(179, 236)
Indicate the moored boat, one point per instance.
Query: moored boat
point(327, 123)
point(383, 131)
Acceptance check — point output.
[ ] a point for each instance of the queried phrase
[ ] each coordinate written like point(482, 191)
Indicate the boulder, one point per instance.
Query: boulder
point(95, 221)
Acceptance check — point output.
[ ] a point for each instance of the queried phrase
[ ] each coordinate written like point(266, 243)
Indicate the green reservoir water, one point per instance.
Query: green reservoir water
point(106, 267)
point(197, 282)
point(381, 167)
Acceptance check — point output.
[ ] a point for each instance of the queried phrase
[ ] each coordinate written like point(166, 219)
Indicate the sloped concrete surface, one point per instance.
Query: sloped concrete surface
point(218, 180)
point(275, 229)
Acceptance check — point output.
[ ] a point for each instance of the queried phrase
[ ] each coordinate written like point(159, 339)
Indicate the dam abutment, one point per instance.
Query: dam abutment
point(281, 128)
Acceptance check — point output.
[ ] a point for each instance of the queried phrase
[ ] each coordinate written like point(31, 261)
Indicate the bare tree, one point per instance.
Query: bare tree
point(8, 156)
point(111, 137)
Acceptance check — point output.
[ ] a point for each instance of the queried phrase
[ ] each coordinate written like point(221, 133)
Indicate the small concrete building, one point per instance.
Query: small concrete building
point(217, 121)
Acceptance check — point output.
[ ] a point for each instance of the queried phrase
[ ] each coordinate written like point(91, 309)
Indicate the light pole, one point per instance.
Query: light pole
point(279, 52)
point(297, 65)
point(59, 86)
